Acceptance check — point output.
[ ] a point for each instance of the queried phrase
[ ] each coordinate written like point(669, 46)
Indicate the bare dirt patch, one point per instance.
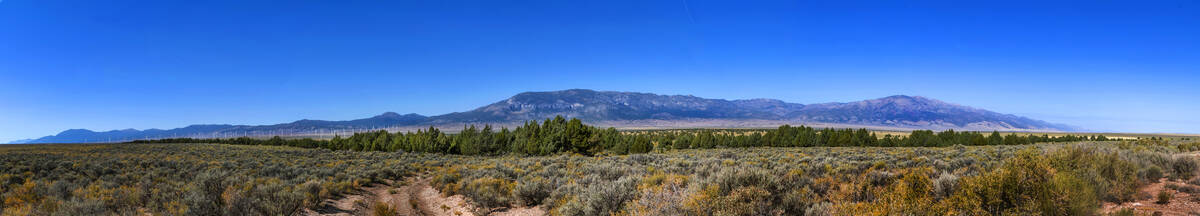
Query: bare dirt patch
point(1181, 203)
point(414, 196)
point(367, 201)
point(432, 202)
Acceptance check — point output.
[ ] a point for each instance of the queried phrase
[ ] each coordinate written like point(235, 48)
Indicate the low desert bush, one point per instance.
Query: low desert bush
point(382, 209)
point(1184, 167)
point(945, 185)
point(1191, 189)
point(661, 194)
point(1188, 147)
point(911, 194)
point(819, 209)
point(1151, 174)
point(488, 193)
point(204, 195)
point(743, 191)
point(1107, 173)
point(602, 198)
point(1026, 184)
point(1164, 197)
point(532, 191)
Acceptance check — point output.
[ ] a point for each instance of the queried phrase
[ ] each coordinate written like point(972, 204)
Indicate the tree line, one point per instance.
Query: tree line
point(560, 135)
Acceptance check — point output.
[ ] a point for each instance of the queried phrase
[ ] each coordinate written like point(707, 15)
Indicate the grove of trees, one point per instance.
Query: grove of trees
point(559, 135)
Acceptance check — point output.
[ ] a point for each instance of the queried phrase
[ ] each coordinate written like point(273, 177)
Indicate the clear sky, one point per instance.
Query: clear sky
point(1130, 66)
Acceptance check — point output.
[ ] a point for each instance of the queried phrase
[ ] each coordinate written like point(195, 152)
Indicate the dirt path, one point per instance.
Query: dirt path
point(366, 202)
point(396, 198)
point(431, 202)
point(414, 196)
point(1181, 203)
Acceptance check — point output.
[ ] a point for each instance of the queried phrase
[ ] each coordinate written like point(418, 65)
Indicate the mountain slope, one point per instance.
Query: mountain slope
point(20, 141)
point(598, 106)
point(297, 127)
point(632, 109)
point(901, 110)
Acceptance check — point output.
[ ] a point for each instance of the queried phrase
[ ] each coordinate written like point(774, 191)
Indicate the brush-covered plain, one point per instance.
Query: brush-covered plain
point(217, 179)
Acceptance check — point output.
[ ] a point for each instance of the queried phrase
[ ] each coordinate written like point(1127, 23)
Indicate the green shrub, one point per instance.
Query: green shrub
point(446, 180)
point(83, 207)
point(1191, 189)
point(602, 198)
point(382, 209)
point(736, 178)
point(1188, 147)
point(747, 200)
point(880, 178)
point(204, 196)
point(488, 193)
point(532, 191)
point(911, 194)
point(661, 194)
point(819, 209)
point(1107, 174)
point(1164, 197)
point(1184, 167)
point(276, 198)
point(944, 185)
point(1151, 174)
point(743, 191)
point(263, 197)
point(1026, 184)
point(311, 191)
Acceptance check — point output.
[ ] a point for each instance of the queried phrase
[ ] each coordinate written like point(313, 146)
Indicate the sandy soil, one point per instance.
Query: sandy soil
point(432, 202)
point(1181, 203)
point(412, 197)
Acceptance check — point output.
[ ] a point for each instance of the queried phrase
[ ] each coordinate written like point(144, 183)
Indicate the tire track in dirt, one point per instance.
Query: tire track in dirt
point(431, 202)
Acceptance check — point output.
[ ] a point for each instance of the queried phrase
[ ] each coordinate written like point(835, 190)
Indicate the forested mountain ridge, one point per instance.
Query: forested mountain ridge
point(631, 109)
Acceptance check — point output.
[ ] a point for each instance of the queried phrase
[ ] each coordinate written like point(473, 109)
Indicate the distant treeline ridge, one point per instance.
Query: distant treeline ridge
point(561, 135)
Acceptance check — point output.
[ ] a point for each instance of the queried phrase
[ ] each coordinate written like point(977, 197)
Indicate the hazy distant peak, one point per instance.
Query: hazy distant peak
point(394, 115)
point(388, 115)
point(908, 99)
point(75, 131)
point(900, 96)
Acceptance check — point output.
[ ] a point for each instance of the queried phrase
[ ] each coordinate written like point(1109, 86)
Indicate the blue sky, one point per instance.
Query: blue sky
point(1103, 65)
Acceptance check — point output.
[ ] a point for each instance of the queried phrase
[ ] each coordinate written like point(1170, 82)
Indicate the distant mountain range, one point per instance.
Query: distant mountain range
point(626, 110)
